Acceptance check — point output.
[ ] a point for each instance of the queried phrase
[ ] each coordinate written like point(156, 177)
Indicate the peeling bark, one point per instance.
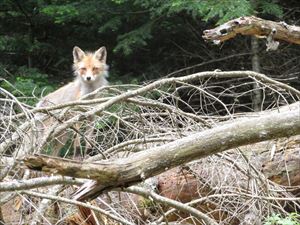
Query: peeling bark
point(284, 167)
point(255, 27)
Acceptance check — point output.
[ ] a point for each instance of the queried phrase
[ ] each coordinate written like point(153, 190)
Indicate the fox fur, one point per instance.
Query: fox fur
point(90, 70)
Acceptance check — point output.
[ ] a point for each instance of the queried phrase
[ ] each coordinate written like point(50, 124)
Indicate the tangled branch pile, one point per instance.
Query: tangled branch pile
point(240, 186)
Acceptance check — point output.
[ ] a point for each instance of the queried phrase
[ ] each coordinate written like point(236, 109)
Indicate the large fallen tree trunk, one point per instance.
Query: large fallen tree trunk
point(139, 166)
point(194, 186)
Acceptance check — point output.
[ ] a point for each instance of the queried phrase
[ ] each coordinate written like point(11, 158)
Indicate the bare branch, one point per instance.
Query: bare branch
point(44, 204)
point(73, 202)
point(139, 166)
point(178, 205)
point(15, 185)
point(254, 26)
point(146, 130)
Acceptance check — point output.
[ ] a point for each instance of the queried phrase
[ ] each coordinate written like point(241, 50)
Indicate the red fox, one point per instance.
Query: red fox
point(91, 71)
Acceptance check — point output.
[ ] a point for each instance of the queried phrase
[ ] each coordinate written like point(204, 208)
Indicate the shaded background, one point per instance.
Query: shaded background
point(145, 39)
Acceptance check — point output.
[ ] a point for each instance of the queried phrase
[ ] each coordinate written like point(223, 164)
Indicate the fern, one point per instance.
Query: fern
point(221, 10)
point(134, 39)
point(112, 24)
point(270, 7)
point(60, 13)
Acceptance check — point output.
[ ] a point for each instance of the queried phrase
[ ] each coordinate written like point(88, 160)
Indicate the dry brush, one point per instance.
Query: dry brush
point(142, 132)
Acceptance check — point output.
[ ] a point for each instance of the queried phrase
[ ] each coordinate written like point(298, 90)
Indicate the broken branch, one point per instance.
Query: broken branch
point(255, 27)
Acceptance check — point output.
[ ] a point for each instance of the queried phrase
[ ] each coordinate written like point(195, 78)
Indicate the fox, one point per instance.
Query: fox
point(90, 70)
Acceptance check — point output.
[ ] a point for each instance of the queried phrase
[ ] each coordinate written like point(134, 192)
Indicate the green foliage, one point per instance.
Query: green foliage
point(28, 82)
point(144, 38)
point(112, 24)
point(134, 39)
point(61, 13)
point(106, 121)
point(148, 204)
point(221, 10)
point(270, 7)
point(14, 43)
point(292, 219)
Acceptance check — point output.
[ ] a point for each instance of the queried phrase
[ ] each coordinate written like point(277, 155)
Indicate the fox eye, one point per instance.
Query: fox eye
point(83, 69)
point(95, 69)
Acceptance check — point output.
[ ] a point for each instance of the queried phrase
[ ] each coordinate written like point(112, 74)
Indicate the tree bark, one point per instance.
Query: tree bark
point(139, 166)
point(255, 27)
point(257, 95)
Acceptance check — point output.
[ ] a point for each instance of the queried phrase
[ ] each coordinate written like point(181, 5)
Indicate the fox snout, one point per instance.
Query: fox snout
point(89, 77)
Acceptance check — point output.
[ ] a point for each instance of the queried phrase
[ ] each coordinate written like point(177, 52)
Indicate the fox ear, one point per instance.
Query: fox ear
point(78, 54)
point(100, 54)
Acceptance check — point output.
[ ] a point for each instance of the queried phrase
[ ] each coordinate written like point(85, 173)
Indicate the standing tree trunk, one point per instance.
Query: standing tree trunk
point(31, 41)
point(30, 33)
point(257, 98)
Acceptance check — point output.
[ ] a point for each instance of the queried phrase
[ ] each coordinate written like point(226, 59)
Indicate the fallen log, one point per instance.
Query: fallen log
point(140, 166)
point(255, 27)
point(193, 185)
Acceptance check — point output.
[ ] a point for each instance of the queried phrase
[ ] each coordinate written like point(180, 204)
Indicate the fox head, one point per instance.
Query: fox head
point(90, 66)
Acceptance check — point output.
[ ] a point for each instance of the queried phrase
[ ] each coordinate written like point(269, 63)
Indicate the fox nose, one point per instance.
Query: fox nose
point(88, 78)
